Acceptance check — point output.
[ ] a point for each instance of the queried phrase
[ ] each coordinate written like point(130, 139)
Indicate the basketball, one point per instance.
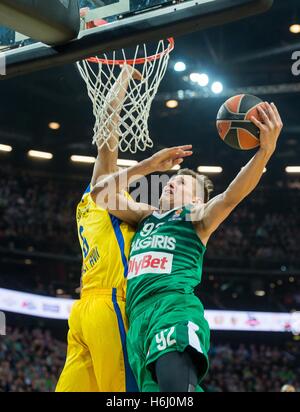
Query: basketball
point(234, 125)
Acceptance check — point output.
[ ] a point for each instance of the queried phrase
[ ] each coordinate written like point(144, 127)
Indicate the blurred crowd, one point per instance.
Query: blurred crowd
point(31, 361)
point(264, 227)
point(253, 368)
point(38, 214)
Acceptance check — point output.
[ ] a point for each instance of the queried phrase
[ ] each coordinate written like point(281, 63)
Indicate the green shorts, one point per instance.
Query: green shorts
point(163, 324)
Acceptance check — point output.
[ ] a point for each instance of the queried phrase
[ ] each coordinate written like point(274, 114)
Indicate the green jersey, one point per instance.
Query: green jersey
point(166, 256)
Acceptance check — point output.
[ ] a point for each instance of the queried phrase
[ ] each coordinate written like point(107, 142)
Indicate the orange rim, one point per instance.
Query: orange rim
point(140, 60)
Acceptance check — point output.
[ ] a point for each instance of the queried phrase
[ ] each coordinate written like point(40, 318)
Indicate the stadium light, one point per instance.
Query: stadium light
point(292, 169)
point(54, 125)
point(83, 159)
point(40, 155)
point(291, 279)
point(210, 169)
point(295, 28)
point(172, 104)
point(217, 87)
point(260, 293)
point(91, 159)
point(179, 67)
point(203, 80)
point(5, 148)
point(194, 77)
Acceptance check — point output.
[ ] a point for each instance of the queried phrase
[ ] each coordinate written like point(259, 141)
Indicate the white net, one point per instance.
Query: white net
point(122, 91)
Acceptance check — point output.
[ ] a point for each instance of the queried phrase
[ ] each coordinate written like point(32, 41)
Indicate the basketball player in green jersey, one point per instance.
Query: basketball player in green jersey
point(168, 334)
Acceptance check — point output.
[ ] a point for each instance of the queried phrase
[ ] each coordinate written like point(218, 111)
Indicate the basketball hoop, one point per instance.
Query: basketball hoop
point(128, 119)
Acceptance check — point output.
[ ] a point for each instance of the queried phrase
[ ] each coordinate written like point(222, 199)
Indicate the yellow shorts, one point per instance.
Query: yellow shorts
point(97, 357)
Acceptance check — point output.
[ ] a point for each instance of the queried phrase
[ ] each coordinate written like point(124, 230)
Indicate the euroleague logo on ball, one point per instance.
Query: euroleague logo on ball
point(234, 123)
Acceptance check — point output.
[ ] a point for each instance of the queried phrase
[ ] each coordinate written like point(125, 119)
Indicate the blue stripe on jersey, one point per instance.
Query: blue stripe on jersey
point(87, 190)
point(116, 225)
point(131, 385)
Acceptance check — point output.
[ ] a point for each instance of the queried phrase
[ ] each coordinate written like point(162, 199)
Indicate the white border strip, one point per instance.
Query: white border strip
point(253, 321)
point(58, 308)
point(35, 305)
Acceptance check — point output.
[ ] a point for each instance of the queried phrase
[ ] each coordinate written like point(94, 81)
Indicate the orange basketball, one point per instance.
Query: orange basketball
point(233, 122)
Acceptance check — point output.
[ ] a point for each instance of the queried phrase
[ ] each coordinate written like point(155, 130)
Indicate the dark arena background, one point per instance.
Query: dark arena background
point(252, 263)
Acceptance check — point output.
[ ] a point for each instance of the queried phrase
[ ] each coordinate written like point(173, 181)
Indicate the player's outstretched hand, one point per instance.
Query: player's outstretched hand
point(131, 72)
point(270, 126)
point(166, 159)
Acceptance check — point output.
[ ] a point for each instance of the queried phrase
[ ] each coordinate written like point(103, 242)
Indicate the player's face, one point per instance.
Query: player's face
point(180, 190)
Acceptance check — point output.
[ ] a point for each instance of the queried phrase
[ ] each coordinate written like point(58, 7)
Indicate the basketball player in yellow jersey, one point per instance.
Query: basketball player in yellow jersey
point(97, 357)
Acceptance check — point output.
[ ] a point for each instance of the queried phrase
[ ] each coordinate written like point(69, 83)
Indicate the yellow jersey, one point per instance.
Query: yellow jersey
point(105, 243)
point(97, 359)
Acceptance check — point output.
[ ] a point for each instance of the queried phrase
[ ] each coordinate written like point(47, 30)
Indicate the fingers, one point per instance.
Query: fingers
point(277, 115)
point(271, 113)
point(137, 75)
point(257, 123)
point(130, 71)
point(274, 115)
point(177, 148)
point(126, 69)
point(177, 161)
point(183, 153)
point(263, 111)
point(270, 118)
point(269, 124)
point(186, 147)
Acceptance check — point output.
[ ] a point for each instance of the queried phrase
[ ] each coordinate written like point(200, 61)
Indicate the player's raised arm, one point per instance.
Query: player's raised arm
point(217, 209)
point(106, 162)
point(108, 192)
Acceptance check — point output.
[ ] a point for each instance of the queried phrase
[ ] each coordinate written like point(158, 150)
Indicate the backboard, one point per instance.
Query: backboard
point(130, 22)
point(109, 10)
